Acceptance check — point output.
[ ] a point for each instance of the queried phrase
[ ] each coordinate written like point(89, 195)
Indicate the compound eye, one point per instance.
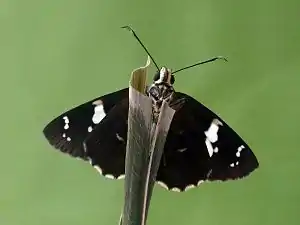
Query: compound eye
point(172, 79)
point(156, 76)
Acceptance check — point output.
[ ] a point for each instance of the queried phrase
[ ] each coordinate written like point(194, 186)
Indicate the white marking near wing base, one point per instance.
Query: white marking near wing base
point(212, 136)
point(68, 139)
point(209, 148)
point(99, 113)
point(212, 132)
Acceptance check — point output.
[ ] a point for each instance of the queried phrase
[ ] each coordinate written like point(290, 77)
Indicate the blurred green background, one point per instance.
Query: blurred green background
point(56, 54)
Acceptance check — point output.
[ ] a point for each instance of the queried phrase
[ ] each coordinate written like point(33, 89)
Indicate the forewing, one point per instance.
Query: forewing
point(200, 146)
point(68, 131)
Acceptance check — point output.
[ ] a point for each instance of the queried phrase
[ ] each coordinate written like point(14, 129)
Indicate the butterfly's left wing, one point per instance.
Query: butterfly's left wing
point(68, 131)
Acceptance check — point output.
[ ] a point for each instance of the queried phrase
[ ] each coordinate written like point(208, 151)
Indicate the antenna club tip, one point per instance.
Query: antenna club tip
point(127, 28)
point(222, 57)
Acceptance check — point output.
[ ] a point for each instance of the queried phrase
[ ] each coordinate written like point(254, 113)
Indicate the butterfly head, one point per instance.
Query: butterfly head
point(164, 75)
point(162, 87)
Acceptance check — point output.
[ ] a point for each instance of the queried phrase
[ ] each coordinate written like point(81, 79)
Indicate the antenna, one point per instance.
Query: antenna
point(203, 62)
point(138, 39)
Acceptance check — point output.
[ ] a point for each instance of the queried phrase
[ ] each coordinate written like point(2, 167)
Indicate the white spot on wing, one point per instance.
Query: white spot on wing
point(200, 182)
point(175, 189)
point(162, 184)
point(65, 136)
point(99, 114)
point(122, 176)
point(212, 132)
point(209, 147)
point(182, 149)
point(97, 167)
point(66, 119)
point(238, 153)
point(234, 164)
point(191, 186)
point(241, 148)
point(212, 136)
point(90, 129)
point(119, 137)
point(88, 158)
point(109, 176)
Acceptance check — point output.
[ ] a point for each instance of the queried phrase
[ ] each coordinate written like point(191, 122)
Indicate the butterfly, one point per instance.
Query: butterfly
point(200, 146)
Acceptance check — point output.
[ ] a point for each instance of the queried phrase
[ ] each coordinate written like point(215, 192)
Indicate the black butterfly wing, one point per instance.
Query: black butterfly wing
point(106, 146)
point(68, 131)
point(188, 159)
point(195, 151)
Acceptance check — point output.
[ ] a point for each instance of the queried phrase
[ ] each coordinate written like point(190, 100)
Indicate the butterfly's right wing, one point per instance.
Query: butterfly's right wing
point(68, 131)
